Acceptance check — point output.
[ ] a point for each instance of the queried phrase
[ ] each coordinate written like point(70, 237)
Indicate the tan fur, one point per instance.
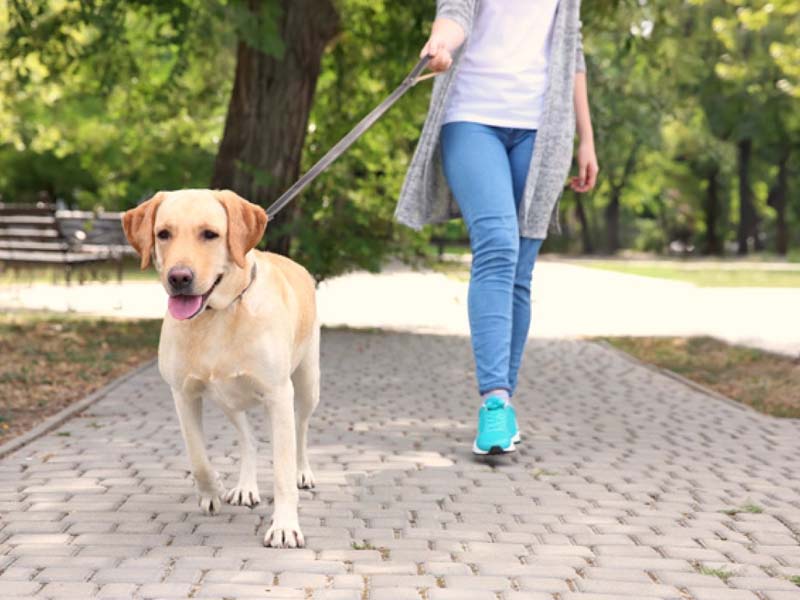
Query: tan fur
point(260, 348)
point(296, 277)
point(246, 223)
point(138, 226)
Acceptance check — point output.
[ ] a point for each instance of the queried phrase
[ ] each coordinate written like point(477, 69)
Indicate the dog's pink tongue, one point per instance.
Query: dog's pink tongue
point(183, 307)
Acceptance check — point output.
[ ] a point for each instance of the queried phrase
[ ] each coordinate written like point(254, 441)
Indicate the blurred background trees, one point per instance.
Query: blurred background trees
point(696, 106)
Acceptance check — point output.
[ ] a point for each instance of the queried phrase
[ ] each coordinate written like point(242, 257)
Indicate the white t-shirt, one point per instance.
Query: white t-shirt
point(502, 76)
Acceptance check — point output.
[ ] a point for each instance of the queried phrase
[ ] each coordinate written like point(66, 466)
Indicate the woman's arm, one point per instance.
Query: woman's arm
point(450, 29)
point(587, 158)
point(446, 37)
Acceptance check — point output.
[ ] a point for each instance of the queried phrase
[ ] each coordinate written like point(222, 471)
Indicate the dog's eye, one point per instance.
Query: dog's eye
point(163, 234)
point(210, 235)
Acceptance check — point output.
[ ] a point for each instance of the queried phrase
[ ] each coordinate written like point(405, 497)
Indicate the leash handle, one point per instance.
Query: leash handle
point(342, 145)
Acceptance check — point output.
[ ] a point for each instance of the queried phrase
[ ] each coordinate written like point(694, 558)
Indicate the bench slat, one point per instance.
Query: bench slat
point(27, 221)
point(19, 232)
point(31, 245)
point(51, 257)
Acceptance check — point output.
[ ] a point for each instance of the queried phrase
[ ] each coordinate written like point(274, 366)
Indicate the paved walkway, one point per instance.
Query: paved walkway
point(569, 301)
point(617, 493)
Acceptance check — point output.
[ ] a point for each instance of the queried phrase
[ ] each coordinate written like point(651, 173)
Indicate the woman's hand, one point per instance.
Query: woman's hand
point(587, 168)
point(446, 36)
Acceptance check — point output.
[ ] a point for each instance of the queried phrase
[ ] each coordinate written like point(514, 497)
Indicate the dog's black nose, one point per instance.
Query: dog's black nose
point(180, 279)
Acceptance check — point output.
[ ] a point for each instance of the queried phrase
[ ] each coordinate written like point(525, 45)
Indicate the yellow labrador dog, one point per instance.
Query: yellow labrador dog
point(241, 327)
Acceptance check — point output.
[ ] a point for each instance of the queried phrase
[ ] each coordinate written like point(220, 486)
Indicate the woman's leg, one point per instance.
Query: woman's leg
point(477, 168)
point(520, 160)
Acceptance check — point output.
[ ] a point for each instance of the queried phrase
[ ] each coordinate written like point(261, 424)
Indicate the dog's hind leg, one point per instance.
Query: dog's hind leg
point(246, 491)
point(306, 398)
point(190, 415)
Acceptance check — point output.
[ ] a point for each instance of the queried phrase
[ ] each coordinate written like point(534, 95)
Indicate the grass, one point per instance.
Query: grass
point(723, 574)
point(767, 382)
point(362, 546)
point(50, 361)
point(745, 508)
point(456, 270)
point(795, 580)
point(104, 272)
point(726, 275)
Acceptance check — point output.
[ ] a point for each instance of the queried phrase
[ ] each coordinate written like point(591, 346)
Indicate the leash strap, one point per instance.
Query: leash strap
point(347, 141)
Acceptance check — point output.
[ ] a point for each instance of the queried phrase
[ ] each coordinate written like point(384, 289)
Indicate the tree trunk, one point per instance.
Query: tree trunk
point(747, 213)
point(586, 234)
point(713, 243)
point(777, 200)
point(612, 221)
point(259, 155)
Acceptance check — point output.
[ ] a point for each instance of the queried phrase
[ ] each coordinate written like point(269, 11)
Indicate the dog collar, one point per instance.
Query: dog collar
point(247, 287)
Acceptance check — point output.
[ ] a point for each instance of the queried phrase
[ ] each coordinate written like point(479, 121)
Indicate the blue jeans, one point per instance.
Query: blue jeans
point(486, 168)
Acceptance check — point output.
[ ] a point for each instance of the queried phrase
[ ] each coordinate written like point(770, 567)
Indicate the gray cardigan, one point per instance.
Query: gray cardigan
point(425, 196)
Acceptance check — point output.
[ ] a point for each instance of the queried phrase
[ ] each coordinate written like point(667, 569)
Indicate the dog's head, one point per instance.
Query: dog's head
point(196, 238)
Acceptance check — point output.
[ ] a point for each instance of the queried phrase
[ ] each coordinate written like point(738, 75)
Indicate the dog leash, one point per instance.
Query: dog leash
point(414, 77)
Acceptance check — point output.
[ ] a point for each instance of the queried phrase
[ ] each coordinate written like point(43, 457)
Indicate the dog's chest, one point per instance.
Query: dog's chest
point(237, 391)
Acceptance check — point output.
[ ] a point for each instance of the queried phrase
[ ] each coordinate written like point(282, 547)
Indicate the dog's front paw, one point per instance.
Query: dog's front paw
point(243, 495)
point(284, 534)
point(305, 478)
point(210, 503)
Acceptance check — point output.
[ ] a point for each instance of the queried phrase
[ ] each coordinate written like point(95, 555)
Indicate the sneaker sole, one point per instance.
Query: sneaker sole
point(494, 450)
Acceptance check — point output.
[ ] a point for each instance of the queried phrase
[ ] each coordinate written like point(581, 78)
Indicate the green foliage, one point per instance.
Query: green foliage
point(346, 216)
point(103, 102)
point(106, 102)
point(676, 95)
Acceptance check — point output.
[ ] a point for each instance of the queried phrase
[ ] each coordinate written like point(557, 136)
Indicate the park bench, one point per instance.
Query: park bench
point(441, 242)
point(36, 235)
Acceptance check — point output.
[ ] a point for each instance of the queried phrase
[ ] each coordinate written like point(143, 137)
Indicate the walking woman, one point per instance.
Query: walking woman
point(498, 144)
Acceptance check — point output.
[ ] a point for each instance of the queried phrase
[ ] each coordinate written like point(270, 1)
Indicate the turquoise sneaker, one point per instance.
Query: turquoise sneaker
point(512, 424)
point(496, 428)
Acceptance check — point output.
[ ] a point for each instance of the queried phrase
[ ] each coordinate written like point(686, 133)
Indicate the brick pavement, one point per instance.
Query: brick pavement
point(617, 492)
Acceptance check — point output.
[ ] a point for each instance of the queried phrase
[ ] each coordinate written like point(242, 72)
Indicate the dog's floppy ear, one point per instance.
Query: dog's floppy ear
point(246, 224)
point(138, 224)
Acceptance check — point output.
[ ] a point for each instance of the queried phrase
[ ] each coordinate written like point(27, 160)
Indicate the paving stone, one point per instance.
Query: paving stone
point(527, 596)
point(68, 590)
point(336, 595)
point(117, 591)
point(763, 584)
point(394, 593)
point(164, 590)
point(405, 581)
point(17, 574)
point(721, 594)
point(593, 596)
point(129, 575)
point(301, 580)
point(617, 494)
point(376, 568)
point(64, 574)
point(627, 588)
point(255, 577)
point(19, 588)
point(455, 594)
point(479, 582)
point(221, 590)
point(612, 574)
point(542, 584)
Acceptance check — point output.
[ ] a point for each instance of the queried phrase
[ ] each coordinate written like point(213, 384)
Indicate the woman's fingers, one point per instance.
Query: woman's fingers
point(425, 49)
point(436, 48)
point(592, 175)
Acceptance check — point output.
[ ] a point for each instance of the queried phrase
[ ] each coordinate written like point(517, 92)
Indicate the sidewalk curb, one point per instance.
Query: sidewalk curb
point(698, 387)
point(70, 411)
